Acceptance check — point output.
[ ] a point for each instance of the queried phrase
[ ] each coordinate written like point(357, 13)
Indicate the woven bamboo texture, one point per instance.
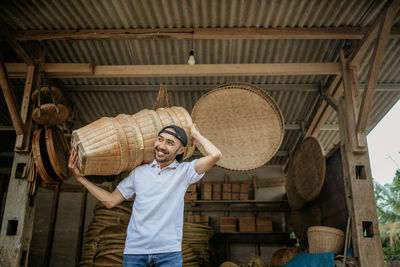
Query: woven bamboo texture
point(323, 239)
point(162, 100)
point(45, 96)
point(195, 244)
point(243, 122)
point(296, 202)
point(58, 151)
point(283, 256)
point(309, 169)
point(47, 114)
point(109, 146)
point(303, 219)
point(104, 241)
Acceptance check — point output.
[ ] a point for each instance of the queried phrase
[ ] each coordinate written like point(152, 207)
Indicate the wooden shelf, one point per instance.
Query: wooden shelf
point(266, 238)
point(230, 205)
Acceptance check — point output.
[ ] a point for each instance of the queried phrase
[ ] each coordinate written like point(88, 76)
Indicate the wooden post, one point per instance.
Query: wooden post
point(81, 227)
point(358, 182)
point(53, 220)
point(19, 212)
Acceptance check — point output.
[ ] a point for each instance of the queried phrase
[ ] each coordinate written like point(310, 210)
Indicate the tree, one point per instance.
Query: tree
point(388, 206)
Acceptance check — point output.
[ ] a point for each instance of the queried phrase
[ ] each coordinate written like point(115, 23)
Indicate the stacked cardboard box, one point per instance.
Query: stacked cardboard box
point(264, 225)
point(216, 193)
point(247, 224)
point(206, 191)
point(244, 191)
point(191, 193)
point(226, 191)
point(235, 191)
point(227, 224)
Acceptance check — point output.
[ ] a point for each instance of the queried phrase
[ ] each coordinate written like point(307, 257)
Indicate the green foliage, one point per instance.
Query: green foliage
point(388, 206)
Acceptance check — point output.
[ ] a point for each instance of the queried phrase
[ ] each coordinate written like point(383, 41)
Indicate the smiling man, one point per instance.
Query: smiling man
point(154, 234)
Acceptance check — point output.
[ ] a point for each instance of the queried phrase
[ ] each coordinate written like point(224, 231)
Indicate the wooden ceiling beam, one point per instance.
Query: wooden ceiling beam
point(371, 34)
point(202, 33)
point(84, 70)
point(375, 65)
point(12, 42)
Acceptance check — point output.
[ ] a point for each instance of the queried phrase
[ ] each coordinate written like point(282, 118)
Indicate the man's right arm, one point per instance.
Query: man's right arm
point(109, 199)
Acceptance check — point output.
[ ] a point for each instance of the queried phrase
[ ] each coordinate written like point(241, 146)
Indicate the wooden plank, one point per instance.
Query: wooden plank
point(375, 65)
point(333, 88)
point(81, 227)
point(200, 33)
point(265, 238)
point(10, 39)
point(81, 70)
point(372, 33)
point(52, 227)
point(271, 182)
point(10, 101)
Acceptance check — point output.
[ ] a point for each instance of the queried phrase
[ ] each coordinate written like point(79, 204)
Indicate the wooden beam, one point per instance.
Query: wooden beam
point(10, 39)
point(201, 33)
point(371, 35)
point(375, 65)
point(83, 70)
point(333, 88)
point(10, 100)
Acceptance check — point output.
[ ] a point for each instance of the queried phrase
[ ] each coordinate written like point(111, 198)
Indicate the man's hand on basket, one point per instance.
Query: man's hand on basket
point(72, 164)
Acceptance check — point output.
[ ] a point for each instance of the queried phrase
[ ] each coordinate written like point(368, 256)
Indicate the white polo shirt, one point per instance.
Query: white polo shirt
point(156, 223)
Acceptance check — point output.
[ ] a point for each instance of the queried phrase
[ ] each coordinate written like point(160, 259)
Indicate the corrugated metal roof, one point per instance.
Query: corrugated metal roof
point(296, 105)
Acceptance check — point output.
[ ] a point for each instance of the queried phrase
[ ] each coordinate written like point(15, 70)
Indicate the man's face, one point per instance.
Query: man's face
point(167, 147)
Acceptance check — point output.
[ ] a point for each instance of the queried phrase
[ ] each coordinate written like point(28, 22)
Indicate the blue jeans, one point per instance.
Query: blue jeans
point(170, 259)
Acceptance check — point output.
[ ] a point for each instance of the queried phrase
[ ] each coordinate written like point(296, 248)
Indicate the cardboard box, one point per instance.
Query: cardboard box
point(206, 191)
point(247, 224)
point(216, 189)
point(244, 191)
point(226, 191)
point(227, 224)
point(264, 225)
point(235, 191)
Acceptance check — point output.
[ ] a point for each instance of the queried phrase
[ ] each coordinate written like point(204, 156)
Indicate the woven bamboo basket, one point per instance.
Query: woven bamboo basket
point(309, 169)
point(323, 239)
point(102, 147)
point(46, 97)
point(47, 114)
point(149, 124)
point(135, 140)
point(296, 202)
point(283, 256)
point(243, 122)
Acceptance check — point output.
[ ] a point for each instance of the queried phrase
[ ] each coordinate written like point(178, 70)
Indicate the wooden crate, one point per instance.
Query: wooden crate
point(247, 224)
point(206, 191)
point(205, 220)
point(235, 191)
point(264, 225)
point(226, 191)
point(227, 224)
point(197, 218)
point(244, 191)
point(191, 188)
point(216, 191)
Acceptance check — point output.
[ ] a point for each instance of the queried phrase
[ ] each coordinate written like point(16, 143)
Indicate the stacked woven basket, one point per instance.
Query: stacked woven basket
point(195, 244)
point(110, 146)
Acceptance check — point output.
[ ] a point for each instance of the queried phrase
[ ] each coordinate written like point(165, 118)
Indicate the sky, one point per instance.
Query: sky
point(384, 146)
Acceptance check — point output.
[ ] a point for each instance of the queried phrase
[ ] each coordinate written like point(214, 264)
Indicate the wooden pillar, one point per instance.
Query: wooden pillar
point(19, 212)
point(357, 176)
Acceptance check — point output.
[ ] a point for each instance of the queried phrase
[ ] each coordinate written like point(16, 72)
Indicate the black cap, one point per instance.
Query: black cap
point(180, 134)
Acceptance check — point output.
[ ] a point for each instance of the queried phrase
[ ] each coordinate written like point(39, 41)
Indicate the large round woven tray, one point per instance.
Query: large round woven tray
point(243, 122)
point(58, 151)
point(309, 169)
point(296, 202)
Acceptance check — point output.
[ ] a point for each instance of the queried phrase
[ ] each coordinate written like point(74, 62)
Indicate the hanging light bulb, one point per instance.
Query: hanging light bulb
point(191, 60)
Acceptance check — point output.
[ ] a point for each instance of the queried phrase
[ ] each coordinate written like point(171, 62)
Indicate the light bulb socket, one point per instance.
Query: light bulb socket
point(191, 52)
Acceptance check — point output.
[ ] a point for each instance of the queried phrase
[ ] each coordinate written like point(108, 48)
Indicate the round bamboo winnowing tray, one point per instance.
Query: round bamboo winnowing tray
point(296, 202)
point(246, 125)
point(309, 169)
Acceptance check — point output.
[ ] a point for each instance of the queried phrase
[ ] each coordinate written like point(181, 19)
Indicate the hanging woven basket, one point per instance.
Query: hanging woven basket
point(50, 114)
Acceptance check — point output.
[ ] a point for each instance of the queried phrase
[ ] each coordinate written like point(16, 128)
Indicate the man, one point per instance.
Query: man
point(154, 234)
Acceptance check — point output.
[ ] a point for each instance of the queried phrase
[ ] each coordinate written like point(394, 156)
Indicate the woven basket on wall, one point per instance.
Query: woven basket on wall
point(309, 169)
point(323, 239)
point(243, 122)
point(296, 202)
